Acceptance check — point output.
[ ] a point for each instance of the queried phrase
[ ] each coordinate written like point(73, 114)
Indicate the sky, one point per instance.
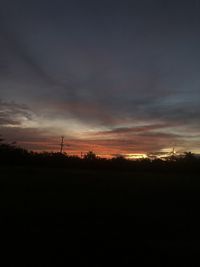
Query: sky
point(114, 77)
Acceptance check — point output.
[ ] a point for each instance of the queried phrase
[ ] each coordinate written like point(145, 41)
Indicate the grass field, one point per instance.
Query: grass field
point(99, 218)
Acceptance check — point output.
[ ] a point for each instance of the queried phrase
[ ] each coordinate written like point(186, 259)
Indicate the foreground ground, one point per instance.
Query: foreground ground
point(56, 216)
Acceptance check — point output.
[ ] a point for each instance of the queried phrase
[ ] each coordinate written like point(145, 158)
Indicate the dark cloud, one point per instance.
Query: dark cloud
point(12, 114)
point(137, 129)
point(20, 51)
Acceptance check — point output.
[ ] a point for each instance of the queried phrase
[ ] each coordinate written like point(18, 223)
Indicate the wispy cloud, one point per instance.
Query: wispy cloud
point(12, 114)
point(132, 130)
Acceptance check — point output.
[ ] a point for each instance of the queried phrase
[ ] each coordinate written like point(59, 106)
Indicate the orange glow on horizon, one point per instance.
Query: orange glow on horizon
point(102, 148)
point(136, 156)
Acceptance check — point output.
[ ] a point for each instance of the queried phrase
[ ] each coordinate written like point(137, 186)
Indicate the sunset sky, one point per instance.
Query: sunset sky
point(114, 77)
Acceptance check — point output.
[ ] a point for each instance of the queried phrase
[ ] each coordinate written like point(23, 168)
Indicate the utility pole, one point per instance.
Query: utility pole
point(62, 144)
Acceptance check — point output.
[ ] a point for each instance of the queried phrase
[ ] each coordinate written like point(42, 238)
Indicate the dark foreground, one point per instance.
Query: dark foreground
point(60, 217)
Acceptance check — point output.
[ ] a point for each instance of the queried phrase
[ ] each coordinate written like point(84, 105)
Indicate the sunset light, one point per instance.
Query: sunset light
point(100, 133)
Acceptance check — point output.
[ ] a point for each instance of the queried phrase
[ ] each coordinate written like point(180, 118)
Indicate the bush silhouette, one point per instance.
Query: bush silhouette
point(90, 156)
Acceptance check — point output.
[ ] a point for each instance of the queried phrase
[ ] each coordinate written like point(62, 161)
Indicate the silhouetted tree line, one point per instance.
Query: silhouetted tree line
point(13, 155)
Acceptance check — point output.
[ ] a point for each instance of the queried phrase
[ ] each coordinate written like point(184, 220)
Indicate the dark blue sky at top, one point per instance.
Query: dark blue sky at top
point(105, 64)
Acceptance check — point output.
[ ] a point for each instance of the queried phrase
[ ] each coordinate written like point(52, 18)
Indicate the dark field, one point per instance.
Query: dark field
point(56, 216)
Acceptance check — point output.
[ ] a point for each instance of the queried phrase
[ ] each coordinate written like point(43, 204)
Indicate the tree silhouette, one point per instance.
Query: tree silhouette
point(90, 156)
point(189, 156)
